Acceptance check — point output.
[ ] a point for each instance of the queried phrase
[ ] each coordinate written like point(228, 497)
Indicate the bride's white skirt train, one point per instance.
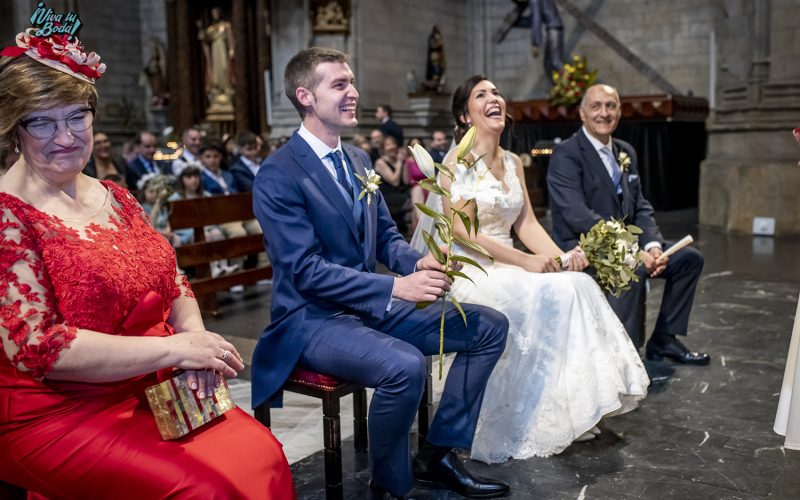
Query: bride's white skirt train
point(568, 362)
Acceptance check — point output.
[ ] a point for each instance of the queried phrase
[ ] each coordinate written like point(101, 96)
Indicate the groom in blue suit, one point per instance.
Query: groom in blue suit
point(332, 313)
point(593, 176)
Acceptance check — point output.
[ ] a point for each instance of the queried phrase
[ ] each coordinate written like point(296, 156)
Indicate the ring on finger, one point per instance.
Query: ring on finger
point(225, 354)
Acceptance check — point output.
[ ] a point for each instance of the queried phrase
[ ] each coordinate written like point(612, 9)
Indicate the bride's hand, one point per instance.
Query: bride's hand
point(577, 260)
point(540, 264)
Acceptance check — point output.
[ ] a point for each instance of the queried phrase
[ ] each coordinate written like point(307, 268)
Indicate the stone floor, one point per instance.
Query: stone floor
point(703, 432)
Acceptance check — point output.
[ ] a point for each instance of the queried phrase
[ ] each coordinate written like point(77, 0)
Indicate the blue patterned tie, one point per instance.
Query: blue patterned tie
point(341, 175)
point(616, 172)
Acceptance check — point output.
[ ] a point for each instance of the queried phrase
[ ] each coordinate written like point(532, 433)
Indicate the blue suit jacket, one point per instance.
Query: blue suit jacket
point(214, 188)
point(136, 170)
point(242, 176)
point(581, 192)
point(321, 266)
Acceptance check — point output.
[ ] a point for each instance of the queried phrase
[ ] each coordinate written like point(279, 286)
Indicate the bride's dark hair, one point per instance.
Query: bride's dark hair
point(460, 101)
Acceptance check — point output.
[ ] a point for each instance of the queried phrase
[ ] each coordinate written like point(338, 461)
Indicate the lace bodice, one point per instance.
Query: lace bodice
point(499, 204)
point(60, 275)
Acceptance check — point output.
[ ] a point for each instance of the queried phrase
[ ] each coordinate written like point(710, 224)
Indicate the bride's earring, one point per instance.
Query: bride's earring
point(16, 148)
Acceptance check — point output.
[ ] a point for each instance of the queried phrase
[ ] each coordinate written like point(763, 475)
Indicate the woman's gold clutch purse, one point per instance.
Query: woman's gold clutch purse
point(179, 411)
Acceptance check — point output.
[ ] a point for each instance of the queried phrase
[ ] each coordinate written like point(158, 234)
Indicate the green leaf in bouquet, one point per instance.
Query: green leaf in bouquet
point(423, 305)
point(458, 306)
point(436, 216)
point(444, 170)
point(444, 233)
point(634, 229)
point(434, 248)
point(473, 246)
point(467, 260)
point(429, 185)
point(458, 274)
point(464, 220)
point(475, 221)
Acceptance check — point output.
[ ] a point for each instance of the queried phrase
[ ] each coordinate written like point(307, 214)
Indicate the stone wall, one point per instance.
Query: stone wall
point(672, 37)
point(751, 170)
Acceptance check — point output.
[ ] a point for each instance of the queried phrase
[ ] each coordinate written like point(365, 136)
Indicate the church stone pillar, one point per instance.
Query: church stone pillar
point(751, 169)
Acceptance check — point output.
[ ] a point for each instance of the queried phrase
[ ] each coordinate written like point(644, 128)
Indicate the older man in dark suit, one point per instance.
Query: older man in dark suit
point(592, 177)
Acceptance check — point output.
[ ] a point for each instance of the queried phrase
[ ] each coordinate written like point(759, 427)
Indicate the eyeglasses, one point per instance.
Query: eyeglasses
point(42, 127)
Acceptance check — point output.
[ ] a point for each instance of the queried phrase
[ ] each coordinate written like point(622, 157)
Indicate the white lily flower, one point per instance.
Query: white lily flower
point(424, 160)
point(465, 183)
point(466, 143)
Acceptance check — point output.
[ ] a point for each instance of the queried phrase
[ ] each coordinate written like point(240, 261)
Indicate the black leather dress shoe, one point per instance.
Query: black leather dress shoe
point(379, 493)
point(451, 473)
point(676, 351)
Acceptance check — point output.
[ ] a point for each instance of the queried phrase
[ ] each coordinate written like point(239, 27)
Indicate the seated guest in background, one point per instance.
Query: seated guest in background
point(215, 180)
point(332, 313)
point(153, 195)
point(592, 177)
point(568, 361)
point(189, 187)
point(192, 140)
point(83, 270)
point(102, 164)
point(390, 166)
point(439, 146)
point(362, 142)
point(376, 142)
point(387, 124)
point(246, 167)
point(221, 182)
point(145, 144)
point(116, 179)
point(231, 150)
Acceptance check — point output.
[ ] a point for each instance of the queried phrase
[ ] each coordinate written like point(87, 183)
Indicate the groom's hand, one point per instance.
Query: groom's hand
point(429, 262)
point(421, 286)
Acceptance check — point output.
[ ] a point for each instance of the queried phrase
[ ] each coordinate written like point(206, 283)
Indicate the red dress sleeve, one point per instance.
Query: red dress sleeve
point(33, 335)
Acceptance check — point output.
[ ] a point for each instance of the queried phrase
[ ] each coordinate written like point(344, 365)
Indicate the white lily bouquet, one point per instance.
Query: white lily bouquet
point(464, 180)
point(612, 248)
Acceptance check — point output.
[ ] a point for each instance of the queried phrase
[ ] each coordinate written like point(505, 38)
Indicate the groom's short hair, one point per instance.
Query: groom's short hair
point(302, 71)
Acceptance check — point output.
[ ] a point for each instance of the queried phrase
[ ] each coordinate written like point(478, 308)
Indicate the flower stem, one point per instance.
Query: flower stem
point(444, 297)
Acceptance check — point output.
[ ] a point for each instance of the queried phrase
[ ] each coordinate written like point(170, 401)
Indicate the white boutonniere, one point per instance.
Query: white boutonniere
point(624, 161)
point(369, 184)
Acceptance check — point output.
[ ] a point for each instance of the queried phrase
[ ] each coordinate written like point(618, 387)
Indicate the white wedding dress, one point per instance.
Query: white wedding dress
point(568, 360)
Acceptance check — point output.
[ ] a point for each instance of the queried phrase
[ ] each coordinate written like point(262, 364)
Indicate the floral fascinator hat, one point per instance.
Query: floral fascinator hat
point(53, 42)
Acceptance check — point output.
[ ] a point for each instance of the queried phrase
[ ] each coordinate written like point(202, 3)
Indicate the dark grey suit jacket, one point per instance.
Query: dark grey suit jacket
point(582, 193)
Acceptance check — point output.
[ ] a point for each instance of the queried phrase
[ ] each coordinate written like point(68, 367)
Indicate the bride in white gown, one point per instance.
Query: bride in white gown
point(568, 361)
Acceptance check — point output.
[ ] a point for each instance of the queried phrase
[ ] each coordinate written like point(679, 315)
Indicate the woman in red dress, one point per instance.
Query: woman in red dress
point(77, 256)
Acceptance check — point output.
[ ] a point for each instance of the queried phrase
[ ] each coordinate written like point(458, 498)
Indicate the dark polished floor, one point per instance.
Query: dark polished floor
point(702, 432)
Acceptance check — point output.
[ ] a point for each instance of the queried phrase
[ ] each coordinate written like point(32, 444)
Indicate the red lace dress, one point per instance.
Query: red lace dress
point(81, 440)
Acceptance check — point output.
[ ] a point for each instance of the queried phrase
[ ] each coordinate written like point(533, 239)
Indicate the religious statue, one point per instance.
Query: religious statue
point(155, 74)
point(437, 64)
point(217, 41)
point(330, 17)
point(546, 29)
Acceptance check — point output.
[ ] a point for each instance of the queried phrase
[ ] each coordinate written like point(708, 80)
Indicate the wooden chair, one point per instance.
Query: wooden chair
point(330, 390)
point(200, 212)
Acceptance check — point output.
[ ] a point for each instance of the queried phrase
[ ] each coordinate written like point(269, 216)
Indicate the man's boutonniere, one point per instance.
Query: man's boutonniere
point(624, 161)
point(369, 184)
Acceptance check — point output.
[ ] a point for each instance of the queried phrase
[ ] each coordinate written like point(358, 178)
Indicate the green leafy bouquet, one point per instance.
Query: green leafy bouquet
point(465, 178)
point(571, 82)
point(612, 248)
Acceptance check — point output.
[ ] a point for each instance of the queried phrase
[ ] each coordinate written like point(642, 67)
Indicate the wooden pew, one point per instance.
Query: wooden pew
point(200, 212)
